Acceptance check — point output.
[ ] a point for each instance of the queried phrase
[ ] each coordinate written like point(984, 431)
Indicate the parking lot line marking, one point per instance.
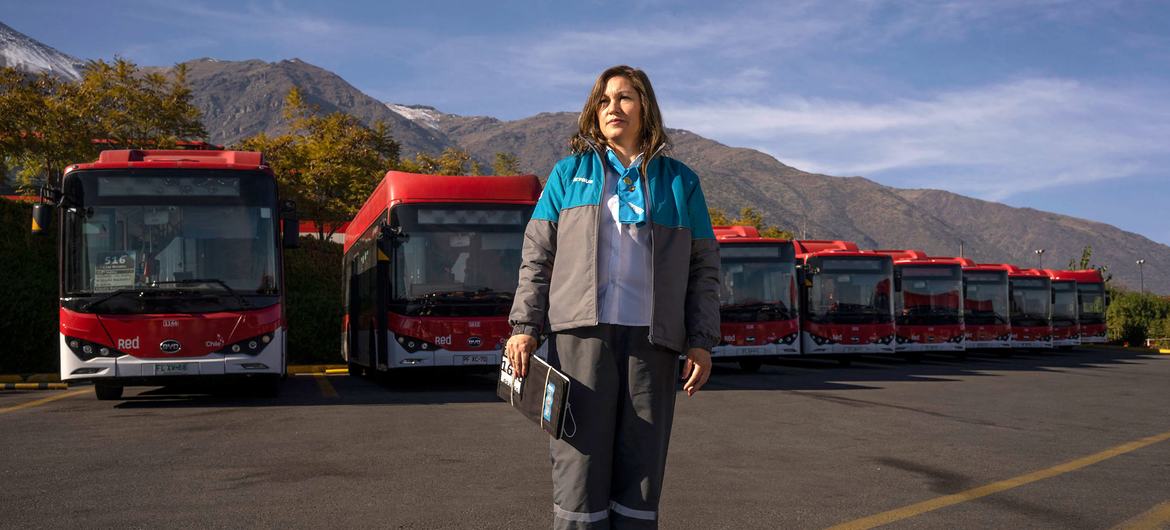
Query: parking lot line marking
point(326, 387)
point(1157, 517)
point(42, 401)
point(936, 503)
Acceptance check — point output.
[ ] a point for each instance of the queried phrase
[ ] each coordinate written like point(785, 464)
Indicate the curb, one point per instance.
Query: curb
point(317, 369)
point(1164, 351)
point(34, 386)
point(30, 378)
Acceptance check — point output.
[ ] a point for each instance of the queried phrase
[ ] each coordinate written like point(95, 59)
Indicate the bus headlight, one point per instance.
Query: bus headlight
point(86, 350)
point(249, 346)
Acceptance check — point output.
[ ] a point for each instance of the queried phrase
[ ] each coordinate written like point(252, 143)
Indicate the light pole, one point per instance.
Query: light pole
point(1039, 258)
point(1141, 275)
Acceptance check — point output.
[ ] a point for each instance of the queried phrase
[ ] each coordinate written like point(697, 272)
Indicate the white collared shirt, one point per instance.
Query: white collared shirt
point(623, 261)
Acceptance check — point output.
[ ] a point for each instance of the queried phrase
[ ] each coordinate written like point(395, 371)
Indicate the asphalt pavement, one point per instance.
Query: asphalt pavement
point(1067, 439)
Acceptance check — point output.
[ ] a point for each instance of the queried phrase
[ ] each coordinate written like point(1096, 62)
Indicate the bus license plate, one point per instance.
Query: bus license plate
point(173, 369)
point(477, 359)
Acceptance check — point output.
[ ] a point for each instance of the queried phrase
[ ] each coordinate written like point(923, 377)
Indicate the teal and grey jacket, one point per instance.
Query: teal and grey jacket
point(558, 273)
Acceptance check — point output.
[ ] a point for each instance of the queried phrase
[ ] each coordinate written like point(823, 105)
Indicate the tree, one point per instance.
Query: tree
point(1086, 262)
point(1134, 317)
point(506, 164)
point(328, 163)
point(47, 123)
point(749, 216)
point(451, 161)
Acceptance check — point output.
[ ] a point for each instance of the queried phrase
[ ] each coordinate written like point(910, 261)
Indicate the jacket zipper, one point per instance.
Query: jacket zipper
point(645, 176)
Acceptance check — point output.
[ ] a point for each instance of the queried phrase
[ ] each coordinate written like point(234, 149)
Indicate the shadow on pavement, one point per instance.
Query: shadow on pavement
point(437, 386)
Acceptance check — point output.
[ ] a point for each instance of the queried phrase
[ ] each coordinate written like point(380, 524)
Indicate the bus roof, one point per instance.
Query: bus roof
point(903, 254)
point(1080, 276)
point(742, 234)
point(398, 187)
point(176, 158)
point(813, 246)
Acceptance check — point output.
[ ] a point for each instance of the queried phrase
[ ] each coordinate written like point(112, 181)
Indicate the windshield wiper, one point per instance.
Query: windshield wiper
point(243, 301)
point(479, 295)
point(110, 296)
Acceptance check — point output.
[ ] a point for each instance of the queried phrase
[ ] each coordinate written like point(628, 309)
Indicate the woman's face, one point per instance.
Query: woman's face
point(620, 113)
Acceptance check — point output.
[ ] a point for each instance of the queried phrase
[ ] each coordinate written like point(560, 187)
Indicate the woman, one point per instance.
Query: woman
point(620, 264)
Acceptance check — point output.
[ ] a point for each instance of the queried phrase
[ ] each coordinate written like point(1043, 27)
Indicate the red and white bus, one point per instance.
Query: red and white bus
point(928, 302)
point(430, 269)
point(1031, 308)
point(986, 305)
point(759, 315)
point(1066, 330)
point(1091, 303)
point(171, 268)
point(846, 302)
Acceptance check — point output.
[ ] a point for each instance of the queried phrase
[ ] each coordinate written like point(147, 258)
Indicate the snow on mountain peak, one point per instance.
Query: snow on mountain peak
point(425, 116)
point(25, 53)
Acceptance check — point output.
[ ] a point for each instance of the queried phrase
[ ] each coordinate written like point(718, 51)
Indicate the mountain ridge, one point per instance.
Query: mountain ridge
point(242, 98)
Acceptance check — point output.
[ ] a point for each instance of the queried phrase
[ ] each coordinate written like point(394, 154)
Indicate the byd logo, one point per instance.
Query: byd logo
point(170, 346)
point(129, 344)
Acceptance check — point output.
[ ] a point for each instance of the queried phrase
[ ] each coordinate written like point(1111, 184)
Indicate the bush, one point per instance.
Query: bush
point(313, 283)
point(28, 309)
point(1134, 317)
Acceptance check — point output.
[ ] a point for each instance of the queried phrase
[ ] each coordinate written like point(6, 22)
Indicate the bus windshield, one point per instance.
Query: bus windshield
point(173, 240)
point(853, 290)
point(930, 295)
point(1092, 301)
point(457, 260)
point(757, 282)
point(1031, 301)
point(986, 298)
point(1065, 306)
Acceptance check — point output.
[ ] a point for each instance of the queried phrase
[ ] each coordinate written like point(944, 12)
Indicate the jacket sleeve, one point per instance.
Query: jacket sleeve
point(530, 305)
point(702, 303)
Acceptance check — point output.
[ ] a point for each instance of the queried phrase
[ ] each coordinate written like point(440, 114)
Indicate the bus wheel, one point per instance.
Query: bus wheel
point(107, 392)
point(355, 370)
point(750, 365)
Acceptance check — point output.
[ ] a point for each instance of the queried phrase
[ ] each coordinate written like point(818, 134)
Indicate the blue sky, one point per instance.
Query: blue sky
point(1051, 104)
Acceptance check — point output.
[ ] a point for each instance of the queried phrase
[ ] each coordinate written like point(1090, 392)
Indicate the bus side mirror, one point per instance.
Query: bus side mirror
point(290, 224)
point(42, 214)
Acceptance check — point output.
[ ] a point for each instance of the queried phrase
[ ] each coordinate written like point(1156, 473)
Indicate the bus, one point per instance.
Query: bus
point(928, 302)
point(170, 269)
point(1091, 303)
point(846, 299)
point(1066, 331)
point(757, 295)
point(431, 263)
point(1031, 308)
point(986, 307)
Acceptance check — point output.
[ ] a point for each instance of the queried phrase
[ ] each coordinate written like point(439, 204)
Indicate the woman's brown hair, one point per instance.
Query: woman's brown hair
point(653, 136)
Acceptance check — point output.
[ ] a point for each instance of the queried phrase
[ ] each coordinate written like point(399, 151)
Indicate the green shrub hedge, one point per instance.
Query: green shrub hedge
point(312, 278)
point(28, 298)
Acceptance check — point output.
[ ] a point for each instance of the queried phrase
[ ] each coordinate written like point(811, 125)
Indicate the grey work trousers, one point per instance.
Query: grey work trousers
point(607, 468)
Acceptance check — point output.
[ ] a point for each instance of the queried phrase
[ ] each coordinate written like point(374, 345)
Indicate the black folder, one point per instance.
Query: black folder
point(542, 396)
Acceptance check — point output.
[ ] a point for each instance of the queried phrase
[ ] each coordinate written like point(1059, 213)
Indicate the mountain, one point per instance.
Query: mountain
point(241, 98)
point(852, 208)
point(20, 51)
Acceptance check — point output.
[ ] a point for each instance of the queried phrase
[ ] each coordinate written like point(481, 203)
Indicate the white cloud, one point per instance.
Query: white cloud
point(992, 142)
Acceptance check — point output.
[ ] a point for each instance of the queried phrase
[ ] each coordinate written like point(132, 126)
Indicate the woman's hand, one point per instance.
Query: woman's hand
point(518, 348)
point(697, 370)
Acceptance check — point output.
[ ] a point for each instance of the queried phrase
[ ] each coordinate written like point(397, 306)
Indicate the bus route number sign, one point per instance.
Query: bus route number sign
point(115, 270)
